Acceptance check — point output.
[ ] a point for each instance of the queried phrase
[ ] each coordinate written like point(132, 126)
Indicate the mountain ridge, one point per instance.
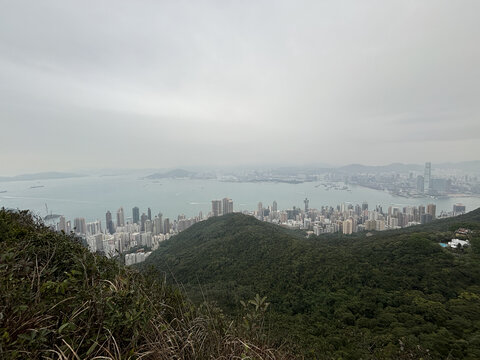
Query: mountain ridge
point(323, 289)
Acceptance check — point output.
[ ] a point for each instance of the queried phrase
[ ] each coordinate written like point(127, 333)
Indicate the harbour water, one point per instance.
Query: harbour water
point(92, 196)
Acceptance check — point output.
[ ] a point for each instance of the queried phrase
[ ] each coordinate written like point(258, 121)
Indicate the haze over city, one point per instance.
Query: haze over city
point(164, 84)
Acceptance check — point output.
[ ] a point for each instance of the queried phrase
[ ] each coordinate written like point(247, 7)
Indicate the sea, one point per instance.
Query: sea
point(91, 196)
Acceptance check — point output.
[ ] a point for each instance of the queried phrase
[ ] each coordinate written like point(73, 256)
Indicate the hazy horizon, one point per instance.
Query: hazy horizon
point(118, 84)
point(226, 168)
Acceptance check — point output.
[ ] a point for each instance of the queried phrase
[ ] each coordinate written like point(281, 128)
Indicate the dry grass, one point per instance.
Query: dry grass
point(58, 301)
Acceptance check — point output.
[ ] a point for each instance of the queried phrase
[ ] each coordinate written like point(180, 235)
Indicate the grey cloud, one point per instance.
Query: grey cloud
point(215, 82)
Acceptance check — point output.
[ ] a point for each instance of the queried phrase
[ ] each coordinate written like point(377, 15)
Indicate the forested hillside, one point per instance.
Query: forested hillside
point(395, 294)
point(59, 301)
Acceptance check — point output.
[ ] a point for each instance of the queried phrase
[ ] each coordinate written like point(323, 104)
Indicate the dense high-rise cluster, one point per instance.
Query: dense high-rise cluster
point(348, 218)
point(139, 232)
point(137, 236)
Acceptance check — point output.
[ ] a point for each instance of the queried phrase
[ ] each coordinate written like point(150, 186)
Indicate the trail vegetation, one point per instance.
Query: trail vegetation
point(59, 301)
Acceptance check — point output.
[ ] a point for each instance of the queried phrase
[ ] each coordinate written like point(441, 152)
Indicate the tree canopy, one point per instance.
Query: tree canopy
point(396, 294)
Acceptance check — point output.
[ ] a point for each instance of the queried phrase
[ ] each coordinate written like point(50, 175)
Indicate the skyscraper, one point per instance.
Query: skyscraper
point(216, 207)
point(306, 201)
point(458, 209)
point(136, 215)
point(421, 211)
point(149, 214)
point(274, 206)
point(148, 225)
point(420, 184)
point(62, 226)
point(347, 226)
point(425, 218)
point(431, 209)
point(110, 225)
point(166, 226)
point(227, 206)
point(68, 226)
point(80, 226)
point(427, 178)
point(158, 225)
point(94, 228)
point(358, 210)
point(120, 217)
point(143, 219)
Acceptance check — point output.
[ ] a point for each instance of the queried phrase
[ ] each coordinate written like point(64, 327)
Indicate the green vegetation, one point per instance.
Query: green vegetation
point(394, 294)
point(59, 301)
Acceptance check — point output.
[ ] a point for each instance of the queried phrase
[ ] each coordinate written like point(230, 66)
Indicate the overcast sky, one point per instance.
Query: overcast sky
point(120, 84)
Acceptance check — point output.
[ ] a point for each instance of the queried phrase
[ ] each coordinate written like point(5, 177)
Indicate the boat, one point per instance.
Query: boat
point(37, 186)
point(3, 191)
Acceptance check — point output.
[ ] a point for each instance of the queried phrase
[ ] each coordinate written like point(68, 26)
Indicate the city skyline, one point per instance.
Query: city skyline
point(130, 238)
point(146, 224)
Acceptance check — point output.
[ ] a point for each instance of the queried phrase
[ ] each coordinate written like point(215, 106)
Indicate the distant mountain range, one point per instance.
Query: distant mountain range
point(40, 176)
point(395, 167)
point(472, 167)
point(467, 166)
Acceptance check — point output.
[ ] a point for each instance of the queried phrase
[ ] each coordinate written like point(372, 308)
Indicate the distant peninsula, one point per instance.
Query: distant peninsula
point(172, 174)
point(40, 176)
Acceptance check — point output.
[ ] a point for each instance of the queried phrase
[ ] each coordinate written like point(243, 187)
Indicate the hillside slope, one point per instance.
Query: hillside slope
point(395, 294)
point(59, 301)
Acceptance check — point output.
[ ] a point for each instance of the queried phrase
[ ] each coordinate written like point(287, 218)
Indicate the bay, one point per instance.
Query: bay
point(92, 196)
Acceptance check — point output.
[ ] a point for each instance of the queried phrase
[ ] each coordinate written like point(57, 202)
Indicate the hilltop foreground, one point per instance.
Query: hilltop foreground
point(395, 294)
point(59, 301)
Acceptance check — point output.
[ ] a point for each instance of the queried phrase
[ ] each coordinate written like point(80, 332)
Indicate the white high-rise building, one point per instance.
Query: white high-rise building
point(216, 207)
point(227, 206)
point(80, 226)
point(347, 226)
point(62, 225)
